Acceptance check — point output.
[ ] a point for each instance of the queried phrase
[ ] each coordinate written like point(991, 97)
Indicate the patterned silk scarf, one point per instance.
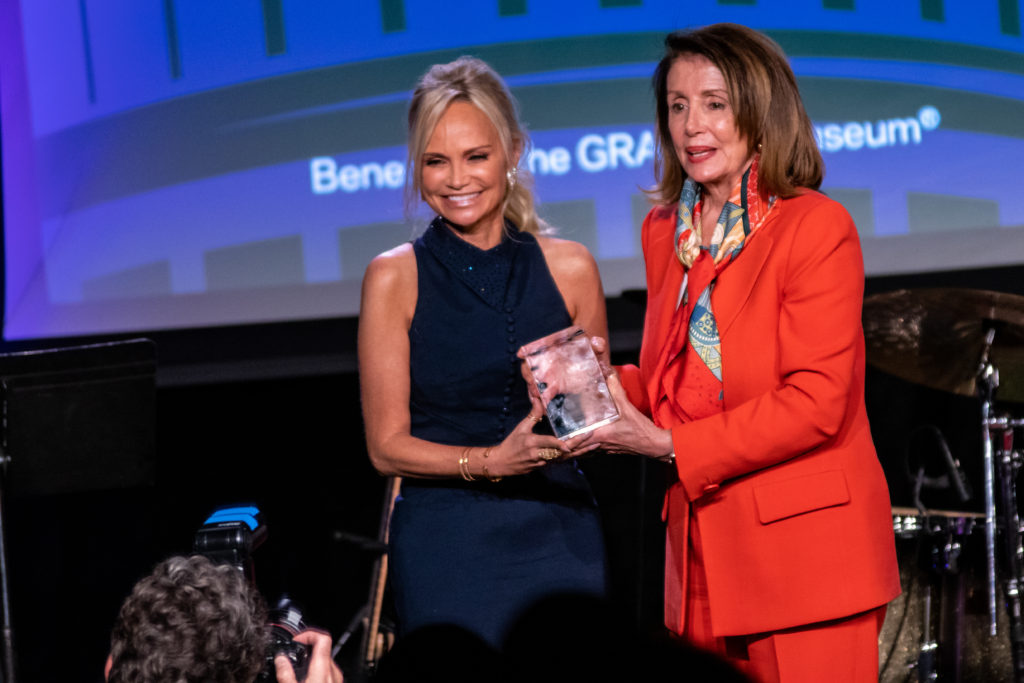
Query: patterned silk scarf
point(696, 386)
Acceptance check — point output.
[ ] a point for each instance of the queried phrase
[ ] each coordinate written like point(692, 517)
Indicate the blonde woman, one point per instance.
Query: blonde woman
point(491, 516)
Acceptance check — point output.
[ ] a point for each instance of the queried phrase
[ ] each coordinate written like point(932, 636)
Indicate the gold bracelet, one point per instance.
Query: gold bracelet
point(487, 451)
point(464, 468)
point(464, 465)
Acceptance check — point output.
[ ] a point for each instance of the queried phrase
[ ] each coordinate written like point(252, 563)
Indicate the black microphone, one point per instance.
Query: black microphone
point(953, 477)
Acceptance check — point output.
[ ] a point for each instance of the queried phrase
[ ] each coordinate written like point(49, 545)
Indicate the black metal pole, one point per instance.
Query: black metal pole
point(5, 599)
point(1013, 557)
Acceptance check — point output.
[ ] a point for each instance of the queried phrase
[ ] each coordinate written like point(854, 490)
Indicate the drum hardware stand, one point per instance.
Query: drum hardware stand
point(920, 336)
point(1009, 464)
point(939, 657)
point(953, 592)
point(1013, 546)
point(988, 381)
point(926, 659)
point(938, 554)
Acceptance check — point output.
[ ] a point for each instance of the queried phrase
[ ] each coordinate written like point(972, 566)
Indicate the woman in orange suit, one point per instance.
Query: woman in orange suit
point(780, 551)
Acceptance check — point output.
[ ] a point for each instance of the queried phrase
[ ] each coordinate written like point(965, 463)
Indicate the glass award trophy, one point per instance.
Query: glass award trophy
point(570, 382)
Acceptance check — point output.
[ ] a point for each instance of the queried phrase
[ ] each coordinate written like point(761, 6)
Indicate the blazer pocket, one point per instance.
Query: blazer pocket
point(783, 499)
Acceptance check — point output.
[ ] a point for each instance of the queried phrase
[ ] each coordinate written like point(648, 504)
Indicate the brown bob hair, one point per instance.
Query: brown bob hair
point(763, 94)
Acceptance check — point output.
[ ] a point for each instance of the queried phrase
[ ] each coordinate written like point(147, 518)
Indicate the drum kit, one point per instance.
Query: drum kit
point(961, 620)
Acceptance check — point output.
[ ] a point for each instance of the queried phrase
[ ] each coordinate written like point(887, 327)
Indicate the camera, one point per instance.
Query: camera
point(284, 622)
point(229, 536)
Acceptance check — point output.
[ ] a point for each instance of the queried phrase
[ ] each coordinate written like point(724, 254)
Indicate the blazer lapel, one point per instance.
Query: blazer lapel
point(668, 278)
point(739, 278)
point(668, 297)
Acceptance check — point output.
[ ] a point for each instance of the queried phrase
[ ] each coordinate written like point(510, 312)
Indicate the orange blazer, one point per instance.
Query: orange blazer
point(785, 484)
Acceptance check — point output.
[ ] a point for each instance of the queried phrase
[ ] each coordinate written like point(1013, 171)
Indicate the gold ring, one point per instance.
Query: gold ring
point(548, 454)
point(537, 418)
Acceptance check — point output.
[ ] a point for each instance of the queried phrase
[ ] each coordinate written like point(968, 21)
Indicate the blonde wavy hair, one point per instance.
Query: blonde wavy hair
point(469, 79)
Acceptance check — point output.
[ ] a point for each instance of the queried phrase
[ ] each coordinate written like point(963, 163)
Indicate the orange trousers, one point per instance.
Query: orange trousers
point(840, 651)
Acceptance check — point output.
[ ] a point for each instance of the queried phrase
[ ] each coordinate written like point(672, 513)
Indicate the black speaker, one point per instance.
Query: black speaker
point(79, 427)
point(79, 419)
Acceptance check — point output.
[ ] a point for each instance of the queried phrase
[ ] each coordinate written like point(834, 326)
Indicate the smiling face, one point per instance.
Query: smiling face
point(463, 168)
point(702, 125)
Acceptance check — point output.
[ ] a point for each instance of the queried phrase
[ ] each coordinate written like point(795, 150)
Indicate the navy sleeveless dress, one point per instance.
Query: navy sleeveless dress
point(476, 554)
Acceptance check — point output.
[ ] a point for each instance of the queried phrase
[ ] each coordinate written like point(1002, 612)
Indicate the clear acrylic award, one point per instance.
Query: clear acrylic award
point(570, 382)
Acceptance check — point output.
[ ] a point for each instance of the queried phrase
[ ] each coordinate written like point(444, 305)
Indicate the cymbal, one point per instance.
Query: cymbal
point(936, 337)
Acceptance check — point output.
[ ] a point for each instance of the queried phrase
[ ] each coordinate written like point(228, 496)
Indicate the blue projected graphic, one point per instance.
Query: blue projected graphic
point(181, 163)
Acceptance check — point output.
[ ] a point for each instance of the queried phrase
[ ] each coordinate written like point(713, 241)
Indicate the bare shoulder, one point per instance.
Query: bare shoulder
point(390, 280)
point(391, 267)
point(575, 273)
point(566, 258)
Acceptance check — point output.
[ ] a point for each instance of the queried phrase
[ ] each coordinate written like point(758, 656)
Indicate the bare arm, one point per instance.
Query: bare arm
point(388, 303)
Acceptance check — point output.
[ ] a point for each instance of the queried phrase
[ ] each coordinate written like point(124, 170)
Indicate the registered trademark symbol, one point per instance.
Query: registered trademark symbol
point(929, 117)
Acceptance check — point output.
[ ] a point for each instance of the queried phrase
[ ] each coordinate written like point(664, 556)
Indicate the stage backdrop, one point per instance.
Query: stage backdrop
point(183, 163)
